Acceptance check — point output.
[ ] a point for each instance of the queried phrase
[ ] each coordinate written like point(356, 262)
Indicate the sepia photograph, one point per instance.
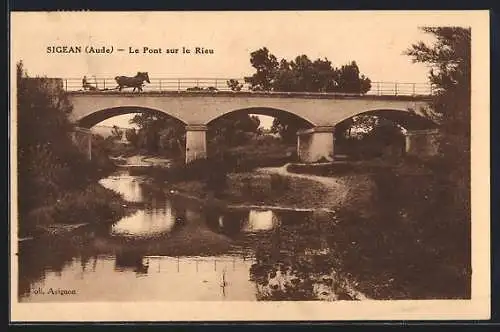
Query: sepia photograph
point(313, 165)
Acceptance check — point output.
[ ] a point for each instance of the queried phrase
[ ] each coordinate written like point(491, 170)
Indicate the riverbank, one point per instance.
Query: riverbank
point(292, 186)
point(268, 188)
point(341, 167)
point(142, 161)
point(94, 204)
point(276, 188)
point(76, 209)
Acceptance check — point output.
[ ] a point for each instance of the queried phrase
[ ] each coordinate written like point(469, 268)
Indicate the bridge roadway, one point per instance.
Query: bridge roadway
point(321, 112)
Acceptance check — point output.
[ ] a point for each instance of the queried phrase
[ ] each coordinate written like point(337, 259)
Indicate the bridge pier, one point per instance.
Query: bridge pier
point(422, 143)
point(82, 138)
point(316, 144)
point(196, 142)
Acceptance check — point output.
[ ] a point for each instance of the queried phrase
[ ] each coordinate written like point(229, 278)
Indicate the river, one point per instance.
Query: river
point(176, 249)
point(172, 249)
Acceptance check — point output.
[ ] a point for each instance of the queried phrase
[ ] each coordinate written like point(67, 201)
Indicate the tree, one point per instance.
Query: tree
point(349, 80)
point(302, 75)
point(287, 128)
point(149, 128)
point(233, 129)
point(449, 59)
point(132, 137)
point(266, 66)
point(450, 62)
point(325, 76)
point(172, 140)
point(367, 136)
point(116, 133)
point(158, 133)
point(47, 158)
point(42, 112)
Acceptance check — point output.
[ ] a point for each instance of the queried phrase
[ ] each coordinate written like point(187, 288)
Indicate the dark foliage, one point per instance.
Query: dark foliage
point(50, 166)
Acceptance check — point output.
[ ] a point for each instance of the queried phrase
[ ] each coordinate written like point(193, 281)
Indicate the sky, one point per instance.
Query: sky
point(375, 40)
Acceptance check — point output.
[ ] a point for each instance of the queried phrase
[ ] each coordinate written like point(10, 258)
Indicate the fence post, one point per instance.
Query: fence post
point(160, 84)
point(378, 88)
point(104, 83)
point(66, 84)
point(413, 88)
point(178, 85)
point(396, 88)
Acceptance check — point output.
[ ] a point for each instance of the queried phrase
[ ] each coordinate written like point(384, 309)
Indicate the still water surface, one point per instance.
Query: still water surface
point(175, 250)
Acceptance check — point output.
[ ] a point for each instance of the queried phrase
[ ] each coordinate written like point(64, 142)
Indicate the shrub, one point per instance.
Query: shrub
point(93, 204)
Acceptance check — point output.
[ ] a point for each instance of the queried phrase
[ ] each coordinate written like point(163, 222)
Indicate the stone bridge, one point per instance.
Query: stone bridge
point(321, 112)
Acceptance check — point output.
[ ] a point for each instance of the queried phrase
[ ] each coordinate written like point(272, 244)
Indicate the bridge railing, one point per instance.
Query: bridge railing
point(105, 84)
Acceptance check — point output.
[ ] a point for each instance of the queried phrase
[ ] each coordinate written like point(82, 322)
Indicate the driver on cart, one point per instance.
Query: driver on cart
point(86, 85)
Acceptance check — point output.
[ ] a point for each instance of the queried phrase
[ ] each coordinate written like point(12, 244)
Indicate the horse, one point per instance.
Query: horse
point(135, 82)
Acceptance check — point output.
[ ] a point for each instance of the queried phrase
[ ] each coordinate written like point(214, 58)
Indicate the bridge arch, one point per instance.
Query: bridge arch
point(269, 111)
point(95, 117)
point(419, 136)
point(407, 119)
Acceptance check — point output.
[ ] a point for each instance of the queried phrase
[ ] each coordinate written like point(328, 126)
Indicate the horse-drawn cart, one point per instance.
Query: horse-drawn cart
point(136, 82)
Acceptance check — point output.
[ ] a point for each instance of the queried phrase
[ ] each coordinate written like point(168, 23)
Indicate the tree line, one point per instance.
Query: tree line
point(304, 75)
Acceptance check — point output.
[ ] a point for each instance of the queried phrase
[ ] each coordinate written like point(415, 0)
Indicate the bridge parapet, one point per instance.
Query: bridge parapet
point(212, 85)
point(270, 94)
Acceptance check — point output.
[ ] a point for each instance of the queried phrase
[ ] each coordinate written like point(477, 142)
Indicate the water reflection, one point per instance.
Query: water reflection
point(245, 221)
point(260, 221)
point(148, 278)
point(127, 185)
point(234, 222)
point(131, 261)
point(151, 222)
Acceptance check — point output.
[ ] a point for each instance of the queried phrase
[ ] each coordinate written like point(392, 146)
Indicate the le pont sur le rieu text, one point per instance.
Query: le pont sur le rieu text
point(76, 49)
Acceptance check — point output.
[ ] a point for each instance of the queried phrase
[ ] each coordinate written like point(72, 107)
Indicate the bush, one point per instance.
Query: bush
point(420, 226)
point(94, 204)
